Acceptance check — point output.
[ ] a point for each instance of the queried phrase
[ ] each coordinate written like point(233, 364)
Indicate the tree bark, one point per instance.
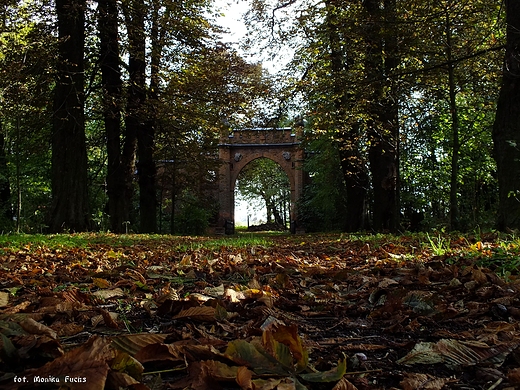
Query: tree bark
point(69, 209)
point(138, 123)
point(6, 209)
point(352, 162)
point(506, 129)
point(146, 135)
point(383, 129)
point(119, 175)
point(455, 142)
point(356, 182)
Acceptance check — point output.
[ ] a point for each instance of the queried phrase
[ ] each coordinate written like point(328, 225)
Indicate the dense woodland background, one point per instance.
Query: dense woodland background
point(111, 110)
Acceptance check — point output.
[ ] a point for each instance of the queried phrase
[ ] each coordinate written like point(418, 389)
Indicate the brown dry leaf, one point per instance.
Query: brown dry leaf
point(514, 376)
point(83, 368)
point(101, 283)
point(199, 313)
point(133, 343)
point(244, 376)
point(18, 308)
point(363, 347)
point(386, 282)
point(4, 299)
point(414, 381)
point(478, 276)
point(69, 329)
point(34, 327)
point(120, 380)
point(204, 375)
point(185, 262)
point(344, 384)
point(457, 353)
point(234, 296)
point(109, 318)
point(107, 294)
point(76, 296)
point(160, 352)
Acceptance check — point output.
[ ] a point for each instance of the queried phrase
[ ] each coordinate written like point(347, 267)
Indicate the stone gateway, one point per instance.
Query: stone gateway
point(240, 147)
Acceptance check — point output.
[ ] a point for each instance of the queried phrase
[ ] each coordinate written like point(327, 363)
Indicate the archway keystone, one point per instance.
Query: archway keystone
point(239, 147)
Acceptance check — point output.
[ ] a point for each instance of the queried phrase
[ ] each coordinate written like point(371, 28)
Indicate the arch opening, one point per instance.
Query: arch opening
point(262, 196)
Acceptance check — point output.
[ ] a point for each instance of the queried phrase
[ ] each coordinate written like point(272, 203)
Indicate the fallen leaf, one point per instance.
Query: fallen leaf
point(456, 353)
point(4, 299)
point(332, 375)
point(344, 384)
point(34, 327)
point(83, 368)
point(413, 381)
point(133, 343)
point(199, 313)
point(108, 294)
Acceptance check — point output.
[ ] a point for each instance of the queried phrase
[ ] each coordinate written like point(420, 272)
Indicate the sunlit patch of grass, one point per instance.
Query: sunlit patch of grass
point(439, 245)
point(31, 242)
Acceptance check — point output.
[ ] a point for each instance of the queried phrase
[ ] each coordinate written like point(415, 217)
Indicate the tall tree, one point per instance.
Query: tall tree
point(136, 116)
point(348, 134)
point(382, 109)
point(69, 208)
point(121, 159)
point(506, 130)
point(6, 210)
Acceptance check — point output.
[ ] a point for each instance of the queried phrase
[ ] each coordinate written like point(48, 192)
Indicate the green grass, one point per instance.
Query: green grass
point(29, 242)
point(54, 241)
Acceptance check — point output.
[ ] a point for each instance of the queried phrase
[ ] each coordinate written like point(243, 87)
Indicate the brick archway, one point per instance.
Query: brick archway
point(240, 147)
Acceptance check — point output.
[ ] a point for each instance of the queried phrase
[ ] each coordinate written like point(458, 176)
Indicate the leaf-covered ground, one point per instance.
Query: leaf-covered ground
point(270, 312)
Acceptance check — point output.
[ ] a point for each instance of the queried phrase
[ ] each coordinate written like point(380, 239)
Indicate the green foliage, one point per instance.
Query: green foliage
point(27, 63)
point(193, 215)
point(323, 206)
point(331, 70)
point(265, 179)
point(205, 87)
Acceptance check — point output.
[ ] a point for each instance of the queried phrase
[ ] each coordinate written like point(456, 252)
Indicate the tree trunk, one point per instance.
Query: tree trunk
point(381, 58)
point(119, 177)
point(455, 147)
point(352, 162)
point(506, 129)
point(147, 172)
point(69, 209)
point(356, 182)
point(146, 135)
point(6, 210)
point(137, 121)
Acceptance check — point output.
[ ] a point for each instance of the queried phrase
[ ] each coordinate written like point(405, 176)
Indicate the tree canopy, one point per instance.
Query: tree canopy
point(111, 111)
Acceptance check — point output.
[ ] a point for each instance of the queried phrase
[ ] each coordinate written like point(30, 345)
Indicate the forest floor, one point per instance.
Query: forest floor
point(260, 311)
